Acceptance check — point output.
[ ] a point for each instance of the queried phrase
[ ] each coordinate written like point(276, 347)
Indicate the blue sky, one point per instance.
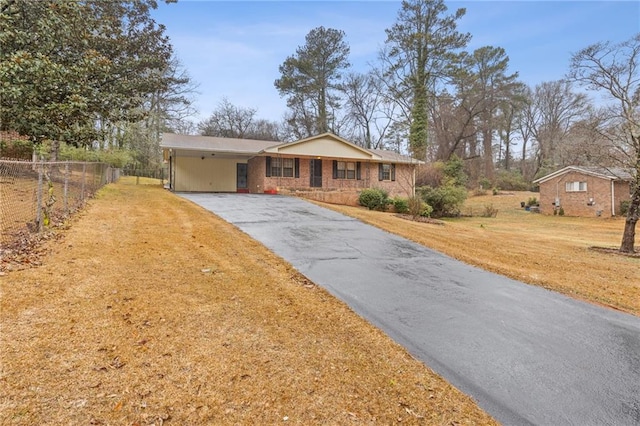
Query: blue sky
point(233, 49)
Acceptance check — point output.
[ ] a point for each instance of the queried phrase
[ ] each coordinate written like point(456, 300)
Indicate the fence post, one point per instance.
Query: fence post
point(66, 188)
point(84, 179)
point(39, 198)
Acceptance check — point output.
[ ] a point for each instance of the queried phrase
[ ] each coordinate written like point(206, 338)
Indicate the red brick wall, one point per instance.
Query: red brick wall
point(577, 203)
point(622, 192)
point(255, 174)
point(258, 182)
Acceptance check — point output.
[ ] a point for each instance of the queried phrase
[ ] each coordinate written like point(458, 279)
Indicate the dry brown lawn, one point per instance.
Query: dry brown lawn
point(150, 310)
point(549, 251)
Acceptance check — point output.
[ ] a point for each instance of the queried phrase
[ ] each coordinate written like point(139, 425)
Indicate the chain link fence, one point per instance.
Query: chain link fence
point(41, 194)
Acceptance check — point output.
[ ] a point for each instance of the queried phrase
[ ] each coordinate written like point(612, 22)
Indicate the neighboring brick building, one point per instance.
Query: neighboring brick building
point(585, 191)
point(324, 163)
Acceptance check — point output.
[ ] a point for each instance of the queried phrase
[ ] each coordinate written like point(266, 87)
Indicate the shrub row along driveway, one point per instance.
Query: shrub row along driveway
point(528, 355)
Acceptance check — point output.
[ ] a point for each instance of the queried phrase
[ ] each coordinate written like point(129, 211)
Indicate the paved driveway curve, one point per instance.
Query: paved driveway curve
point(527, 355)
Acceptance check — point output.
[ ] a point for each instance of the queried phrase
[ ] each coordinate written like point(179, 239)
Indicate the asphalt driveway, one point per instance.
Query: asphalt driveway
point(526, 354)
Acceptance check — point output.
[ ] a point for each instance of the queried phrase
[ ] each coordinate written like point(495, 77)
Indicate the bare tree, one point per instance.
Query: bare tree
point(525, 123)
point(614, 70)
point(228, 121)
point(553, 109)
point(368, 109)
point(510, 110)
point(231, 121)
point(453, 124)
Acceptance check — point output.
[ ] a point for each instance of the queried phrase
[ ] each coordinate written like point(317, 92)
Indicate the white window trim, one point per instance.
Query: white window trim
point(576, 186)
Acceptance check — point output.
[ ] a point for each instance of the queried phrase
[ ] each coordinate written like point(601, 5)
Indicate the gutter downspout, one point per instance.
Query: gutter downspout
point(613, 198)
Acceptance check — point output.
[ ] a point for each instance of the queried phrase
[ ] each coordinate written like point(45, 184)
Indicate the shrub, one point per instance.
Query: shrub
point(445, 200)
point(16, 149)
point(489, 211)
point(454, 171)
point(441, 173)
point(533, 201)
point(561, 211)
point(116, 158)
point(425, 210)
point(511, 180)
point(401, 205)
point(374, 199)
point(417, 207)
point(484, 183)
point(624, 207)
point(430, 174)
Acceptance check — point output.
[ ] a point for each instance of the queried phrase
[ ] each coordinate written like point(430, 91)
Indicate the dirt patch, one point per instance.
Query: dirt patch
point(614, 251)
point(420, 219)
point(150, 310)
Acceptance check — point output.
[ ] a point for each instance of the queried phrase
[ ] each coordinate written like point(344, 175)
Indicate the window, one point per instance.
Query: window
point(287, 167)
point(351, 170)
point(276, 166)
point(346, 170)
point(282, 167)
point(576, 186)
point(387, 172)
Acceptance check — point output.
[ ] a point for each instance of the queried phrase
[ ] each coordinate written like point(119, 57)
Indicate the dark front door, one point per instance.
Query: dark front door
point(315, 172)
point(241, 176)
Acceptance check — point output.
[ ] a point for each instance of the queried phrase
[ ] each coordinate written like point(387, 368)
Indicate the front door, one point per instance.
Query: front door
point(241, 176)
point(315, 172)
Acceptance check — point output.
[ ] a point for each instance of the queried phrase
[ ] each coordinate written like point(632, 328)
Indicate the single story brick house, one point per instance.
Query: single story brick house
point(320, 163)
point(585, 191)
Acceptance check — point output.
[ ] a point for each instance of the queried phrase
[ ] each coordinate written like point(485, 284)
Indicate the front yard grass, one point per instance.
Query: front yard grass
point(554, 252)
point(150, 310)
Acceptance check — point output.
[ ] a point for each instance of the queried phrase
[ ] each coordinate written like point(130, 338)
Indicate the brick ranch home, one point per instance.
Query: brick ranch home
point(319, 164)
point(585, 191)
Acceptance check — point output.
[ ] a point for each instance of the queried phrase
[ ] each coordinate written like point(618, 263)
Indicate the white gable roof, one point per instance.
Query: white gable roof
point(325, 145)
point(608, 173)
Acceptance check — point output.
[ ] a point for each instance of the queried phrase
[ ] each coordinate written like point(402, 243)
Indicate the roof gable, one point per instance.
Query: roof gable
point(325, 145)
point(608, 173)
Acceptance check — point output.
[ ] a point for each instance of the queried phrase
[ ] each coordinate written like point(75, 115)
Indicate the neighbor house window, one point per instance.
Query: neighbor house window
point(346, 170)
point(576, 186)
point(387, 172)
point(283, 167)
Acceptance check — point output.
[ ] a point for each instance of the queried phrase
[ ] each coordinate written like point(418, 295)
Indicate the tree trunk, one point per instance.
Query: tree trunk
point(507, 153)
point(487, 145)
point(629, 234)
point(523, 160)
